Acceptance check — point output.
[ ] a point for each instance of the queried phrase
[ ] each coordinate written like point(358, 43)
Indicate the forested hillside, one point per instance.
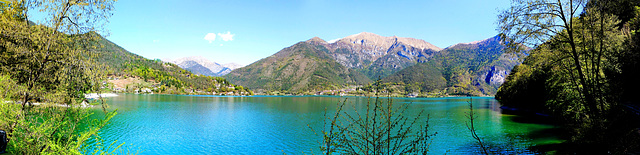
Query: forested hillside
point(303, 67)
point(156, 75)
point(477, 68)
point(409, 66)
point(45, 74)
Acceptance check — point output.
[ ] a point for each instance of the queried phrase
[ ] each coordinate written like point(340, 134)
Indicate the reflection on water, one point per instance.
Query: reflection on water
point(178, 124)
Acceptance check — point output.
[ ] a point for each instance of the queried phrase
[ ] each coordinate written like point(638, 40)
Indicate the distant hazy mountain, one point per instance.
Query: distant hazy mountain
point(196, 68)
point(202, 66)
point(232, 66)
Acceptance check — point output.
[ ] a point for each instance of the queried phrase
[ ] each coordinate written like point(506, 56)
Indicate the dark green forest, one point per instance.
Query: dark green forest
point(583, 69)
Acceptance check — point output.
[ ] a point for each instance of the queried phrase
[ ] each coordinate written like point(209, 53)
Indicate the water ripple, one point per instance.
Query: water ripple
point(170, 124)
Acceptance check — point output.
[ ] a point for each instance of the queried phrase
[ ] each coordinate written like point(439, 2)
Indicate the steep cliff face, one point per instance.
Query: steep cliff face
point(495, 76)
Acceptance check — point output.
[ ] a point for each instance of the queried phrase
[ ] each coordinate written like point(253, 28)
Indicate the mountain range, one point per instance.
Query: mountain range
point(475, 68)
point(414, 65)
point(203, 66)
point(375, 55)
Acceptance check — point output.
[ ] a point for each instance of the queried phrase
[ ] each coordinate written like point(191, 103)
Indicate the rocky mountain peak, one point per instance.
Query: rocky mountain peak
point(368, 39)
point(418, 43)
point(364, 35)
point(316, 40)
point(372, 39)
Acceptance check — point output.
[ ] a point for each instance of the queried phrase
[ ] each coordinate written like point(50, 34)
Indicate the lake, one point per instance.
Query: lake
point(183, 124)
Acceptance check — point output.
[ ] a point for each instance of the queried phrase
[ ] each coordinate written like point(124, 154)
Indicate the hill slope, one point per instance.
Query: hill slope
point(156, 75)
point(305, 66)
point(476, 68)
point(352, 60)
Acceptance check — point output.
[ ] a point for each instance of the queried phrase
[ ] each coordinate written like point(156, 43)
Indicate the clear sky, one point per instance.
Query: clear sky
point(246, 31)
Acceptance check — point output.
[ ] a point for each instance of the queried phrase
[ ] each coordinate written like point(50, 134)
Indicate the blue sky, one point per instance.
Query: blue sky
point(246, 31)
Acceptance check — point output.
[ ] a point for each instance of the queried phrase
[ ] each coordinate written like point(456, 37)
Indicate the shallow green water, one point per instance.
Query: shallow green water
point(178, 124)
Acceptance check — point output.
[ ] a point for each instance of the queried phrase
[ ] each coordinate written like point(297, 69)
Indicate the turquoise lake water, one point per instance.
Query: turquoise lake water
point(182, 124)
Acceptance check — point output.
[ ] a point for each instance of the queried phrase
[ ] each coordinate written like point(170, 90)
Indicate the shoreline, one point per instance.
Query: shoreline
point(288, 95)
point(83, 104)
point(99, 95)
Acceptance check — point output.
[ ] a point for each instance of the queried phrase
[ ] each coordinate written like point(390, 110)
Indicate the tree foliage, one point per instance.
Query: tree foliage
point(584, 44)
point(575, 69)
point(45, 73)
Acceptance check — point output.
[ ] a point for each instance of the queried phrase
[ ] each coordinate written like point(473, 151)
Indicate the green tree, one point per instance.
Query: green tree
point(585, 42)
point(48, 60)
point(577, 44)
